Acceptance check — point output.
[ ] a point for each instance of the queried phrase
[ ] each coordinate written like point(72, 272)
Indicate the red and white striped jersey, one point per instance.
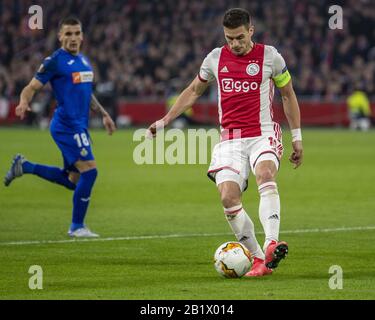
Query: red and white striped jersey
point(245, 88)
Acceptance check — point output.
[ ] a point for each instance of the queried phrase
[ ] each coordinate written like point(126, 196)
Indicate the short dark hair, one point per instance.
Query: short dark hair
point(69, 21)
point(236, 17)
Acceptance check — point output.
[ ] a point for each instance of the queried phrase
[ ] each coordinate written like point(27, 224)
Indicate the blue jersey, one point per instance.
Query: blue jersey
point(71, 78)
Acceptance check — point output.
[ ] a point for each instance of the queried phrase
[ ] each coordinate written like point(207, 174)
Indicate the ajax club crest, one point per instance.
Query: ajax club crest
point(252, 69)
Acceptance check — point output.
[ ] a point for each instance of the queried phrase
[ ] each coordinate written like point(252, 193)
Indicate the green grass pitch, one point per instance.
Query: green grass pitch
point(333, 189)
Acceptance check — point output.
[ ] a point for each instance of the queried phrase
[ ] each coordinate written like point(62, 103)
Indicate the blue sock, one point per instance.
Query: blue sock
point(28, 167)
point(81, 198)
point(52, 174)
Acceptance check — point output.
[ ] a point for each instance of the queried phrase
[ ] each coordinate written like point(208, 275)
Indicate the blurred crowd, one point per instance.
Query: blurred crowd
point(145, 49)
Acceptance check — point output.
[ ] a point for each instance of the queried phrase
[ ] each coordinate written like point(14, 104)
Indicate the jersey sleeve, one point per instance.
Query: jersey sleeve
point(206, 73)
point(280, 73)
point(46, 70)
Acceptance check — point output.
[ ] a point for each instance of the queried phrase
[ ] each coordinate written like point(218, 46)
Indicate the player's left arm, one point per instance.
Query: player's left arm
point(107, 120)
point(292, 113)
point(282, 80)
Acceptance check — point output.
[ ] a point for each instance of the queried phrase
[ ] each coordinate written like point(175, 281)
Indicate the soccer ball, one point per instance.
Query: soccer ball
point(232, 260)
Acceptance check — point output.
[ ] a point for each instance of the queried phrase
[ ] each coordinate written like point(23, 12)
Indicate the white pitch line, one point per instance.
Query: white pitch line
point(169, 236)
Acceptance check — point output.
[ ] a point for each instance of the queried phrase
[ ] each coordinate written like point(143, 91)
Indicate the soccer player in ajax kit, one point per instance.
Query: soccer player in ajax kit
point(71, 77)
point(246, 73)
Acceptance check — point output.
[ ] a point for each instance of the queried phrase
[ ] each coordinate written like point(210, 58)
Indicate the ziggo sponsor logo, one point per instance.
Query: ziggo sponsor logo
point(229, 85)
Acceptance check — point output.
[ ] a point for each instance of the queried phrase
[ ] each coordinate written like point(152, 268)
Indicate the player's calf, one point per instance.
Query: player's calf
point(21, 166)
point(81, 198)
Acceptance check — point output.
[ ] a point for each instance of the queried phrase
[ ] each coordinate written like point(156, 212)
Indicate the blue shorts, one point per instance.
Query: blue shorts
point(73, 146)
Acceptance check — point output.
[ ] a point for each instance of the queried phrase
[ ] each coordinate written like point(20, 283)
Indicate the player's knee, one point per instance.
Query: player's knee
point(229, 197)
point(74, 177)
point(264, 175)
point(84, 166)
point(265, 171)
point(68, 182)
point(229, 201)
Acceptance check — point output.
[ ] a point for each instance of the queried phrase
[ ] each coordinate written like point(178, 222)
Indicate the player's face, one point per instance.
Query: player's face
point(71, 38)
point(239, 39)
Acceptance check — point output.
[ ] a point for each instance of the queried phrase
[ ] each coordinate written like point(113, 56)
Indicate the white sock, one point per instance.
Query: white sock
point(269, 211)
point(243, 228)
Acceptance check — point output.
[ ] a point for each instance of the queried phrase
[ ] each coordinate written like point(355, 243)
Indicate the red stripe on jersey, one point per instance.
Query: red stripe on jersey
point(279, 134)
point(240, 91)
point(277, 131)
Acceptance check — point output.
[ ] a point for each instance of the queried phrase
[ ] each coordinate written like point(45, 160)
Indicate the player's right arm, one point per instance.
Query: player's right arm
point(27, 95)
point(45, 73)
point(184, 101)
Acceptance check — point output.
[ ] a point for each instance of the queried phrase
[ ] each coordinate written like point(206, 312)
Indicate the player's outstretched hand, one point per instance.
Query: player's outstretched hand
point(109, 124)
point(155, 127)
point(297, 154)
point(21, 109)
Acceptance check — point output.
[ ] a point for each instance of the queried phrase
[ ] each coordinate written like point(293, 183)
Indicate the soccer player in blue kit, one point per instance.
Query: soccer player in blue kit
point(71, 77)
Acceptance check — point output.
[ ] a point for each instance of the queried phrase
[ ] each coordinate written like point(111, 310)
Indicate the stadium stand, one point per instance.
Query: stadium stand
point(143, 50)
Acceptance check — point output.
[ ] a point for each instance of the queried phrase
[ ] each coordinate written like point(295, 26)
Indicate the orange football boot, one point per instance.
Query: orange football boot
point(275, 252)
point(258, 269)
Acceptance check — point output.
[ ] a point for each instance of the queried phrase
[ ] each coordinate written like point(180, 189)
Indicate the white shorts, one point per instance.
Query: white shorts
point(232, 160)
